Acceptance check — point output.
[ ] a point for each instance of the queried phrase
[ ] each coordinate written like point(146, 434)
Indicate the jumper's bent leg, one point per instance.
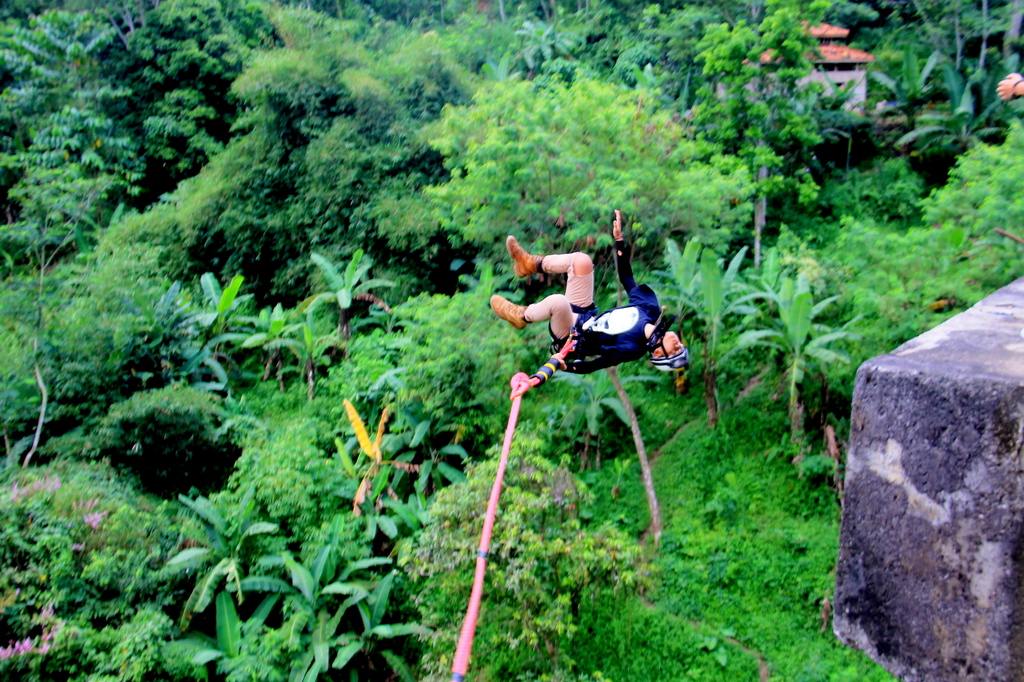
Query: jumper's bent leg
point(579, 290)
point(555, 308)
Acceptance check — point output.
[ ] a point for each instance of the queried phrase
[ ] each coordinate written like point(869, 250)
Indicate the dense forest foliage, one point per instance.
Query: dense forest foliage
point(252, 393)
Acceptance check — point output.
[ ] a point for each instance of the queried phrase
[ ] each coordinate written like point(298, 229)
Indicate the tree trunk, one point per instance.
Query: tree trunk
point(645, 466)
point(710, 389)
point(760, 215)
point(44, 395)
point(796, 409)
point(310, 378)
point(984, 34)
point(501, 9)
point(1013, 33)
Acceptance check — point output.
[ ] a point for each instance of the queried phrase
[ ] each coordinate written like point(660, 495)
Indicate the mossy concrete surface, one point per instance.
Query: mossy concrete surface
point(929, 578)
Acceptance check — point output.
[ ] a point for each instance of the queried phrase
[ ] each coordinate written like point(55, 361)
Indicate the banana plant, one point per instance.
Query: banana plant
point(307, 345)
point(376, 477)
point(220, 304)
point(313, 614)
point(967, 121)
point(698, 287)
point(232, 633)
point(542, 42)
point(226, 536)
point(909, 87)
point(268, 333)
point(346, 287)
point(500, 71)
point(803, 342)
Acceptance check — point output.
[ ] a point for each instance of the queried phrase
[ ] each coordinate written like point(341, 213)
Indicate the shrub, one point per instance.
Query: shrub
point(544, 564)
point(170, 438)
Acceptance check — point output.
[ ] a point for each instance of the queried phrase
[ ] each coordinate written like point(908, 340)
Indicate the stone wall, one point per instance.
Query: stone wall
point(929, 579)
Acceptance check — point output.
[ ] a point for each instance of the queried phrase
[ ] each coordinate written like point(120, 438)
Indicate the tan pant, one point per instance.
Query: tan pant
point(579, 291)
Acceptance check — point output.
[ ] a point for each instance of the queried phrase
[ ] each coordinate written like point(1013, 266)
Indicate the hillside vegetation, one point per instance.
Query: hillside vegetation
point(253, 395)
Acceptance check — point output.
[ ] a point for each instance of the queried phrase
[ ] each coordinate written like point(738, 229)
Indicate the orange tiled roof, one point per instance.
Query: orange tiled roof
point(833, 54)
point(830, 54)
point(829, 31)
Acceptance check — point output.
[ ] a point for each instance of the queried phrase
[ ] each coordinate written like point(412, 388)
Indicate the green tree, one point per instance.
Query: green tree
point(180, 59)
point(544, 562)
point(308, 345)
point(542, 42)
point(587, 413)
point(969, 119)
point(755, 106)
point(982, 193)
point(539, 159)
point(268, 332)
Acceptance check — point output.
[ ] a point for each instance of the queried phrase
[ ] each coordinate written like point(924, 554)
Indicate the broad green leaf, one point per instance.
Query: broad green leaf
point(346, 459)
point(421, 431)
point(204, 656)
point(451, 473)
point(379, 599)
point(262, 583)
point(424, 477)
point(211, 288)
point(228, 627)
point(321, 645)
point(301, 578)
point(346, 653)
point(260, 528)
point(387, 526)
point(227, 298)
point(711, 284)
point(363, 564)
point(345, 588)
point(260, 615)
point(454, 449)
point(334, 279)
point(187, 558)
point(799, 323)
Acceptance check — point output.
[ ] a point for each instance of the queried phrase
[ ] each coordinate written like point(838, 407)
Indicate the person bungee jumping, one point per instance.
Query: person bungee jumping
point(602, 339)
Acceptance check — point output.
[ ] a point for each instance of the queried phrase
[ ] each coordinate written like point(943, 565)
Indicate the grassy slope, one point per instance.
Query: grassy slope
point(747, 555)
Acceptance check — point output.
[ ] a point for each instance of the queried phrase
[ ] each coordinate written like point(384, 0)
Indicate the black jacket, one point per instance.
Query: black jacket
point(617, 335)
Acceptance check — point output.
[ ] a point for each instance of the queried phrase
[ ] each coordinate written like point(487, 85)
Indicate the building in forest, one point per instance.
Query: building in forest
point(836, 64)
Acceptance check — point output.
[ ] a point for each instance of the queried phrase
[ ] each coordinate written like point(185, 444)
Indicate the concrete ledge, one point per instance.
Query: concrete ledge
point(929, 578)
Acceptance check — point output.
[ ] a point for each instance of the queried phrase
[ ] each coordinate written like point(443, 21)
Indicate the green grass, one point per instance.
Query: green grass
point(747, 554)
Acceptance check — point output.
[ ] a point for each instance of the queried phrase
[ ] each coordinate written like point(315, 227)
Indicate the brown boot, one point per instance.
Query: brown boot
point(509, 311)
point(523, 264)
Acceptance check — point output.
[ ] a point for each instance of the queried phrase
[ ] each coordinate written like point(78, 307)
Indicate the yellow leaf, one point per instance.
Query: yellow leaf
point(360, 428)
point(360, 497)
point(380, 435)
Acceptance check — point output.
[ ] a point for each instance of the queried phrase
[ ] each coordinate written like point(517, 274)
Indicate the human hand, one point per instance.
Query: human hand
point(1010, 87)
point(617, 226)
